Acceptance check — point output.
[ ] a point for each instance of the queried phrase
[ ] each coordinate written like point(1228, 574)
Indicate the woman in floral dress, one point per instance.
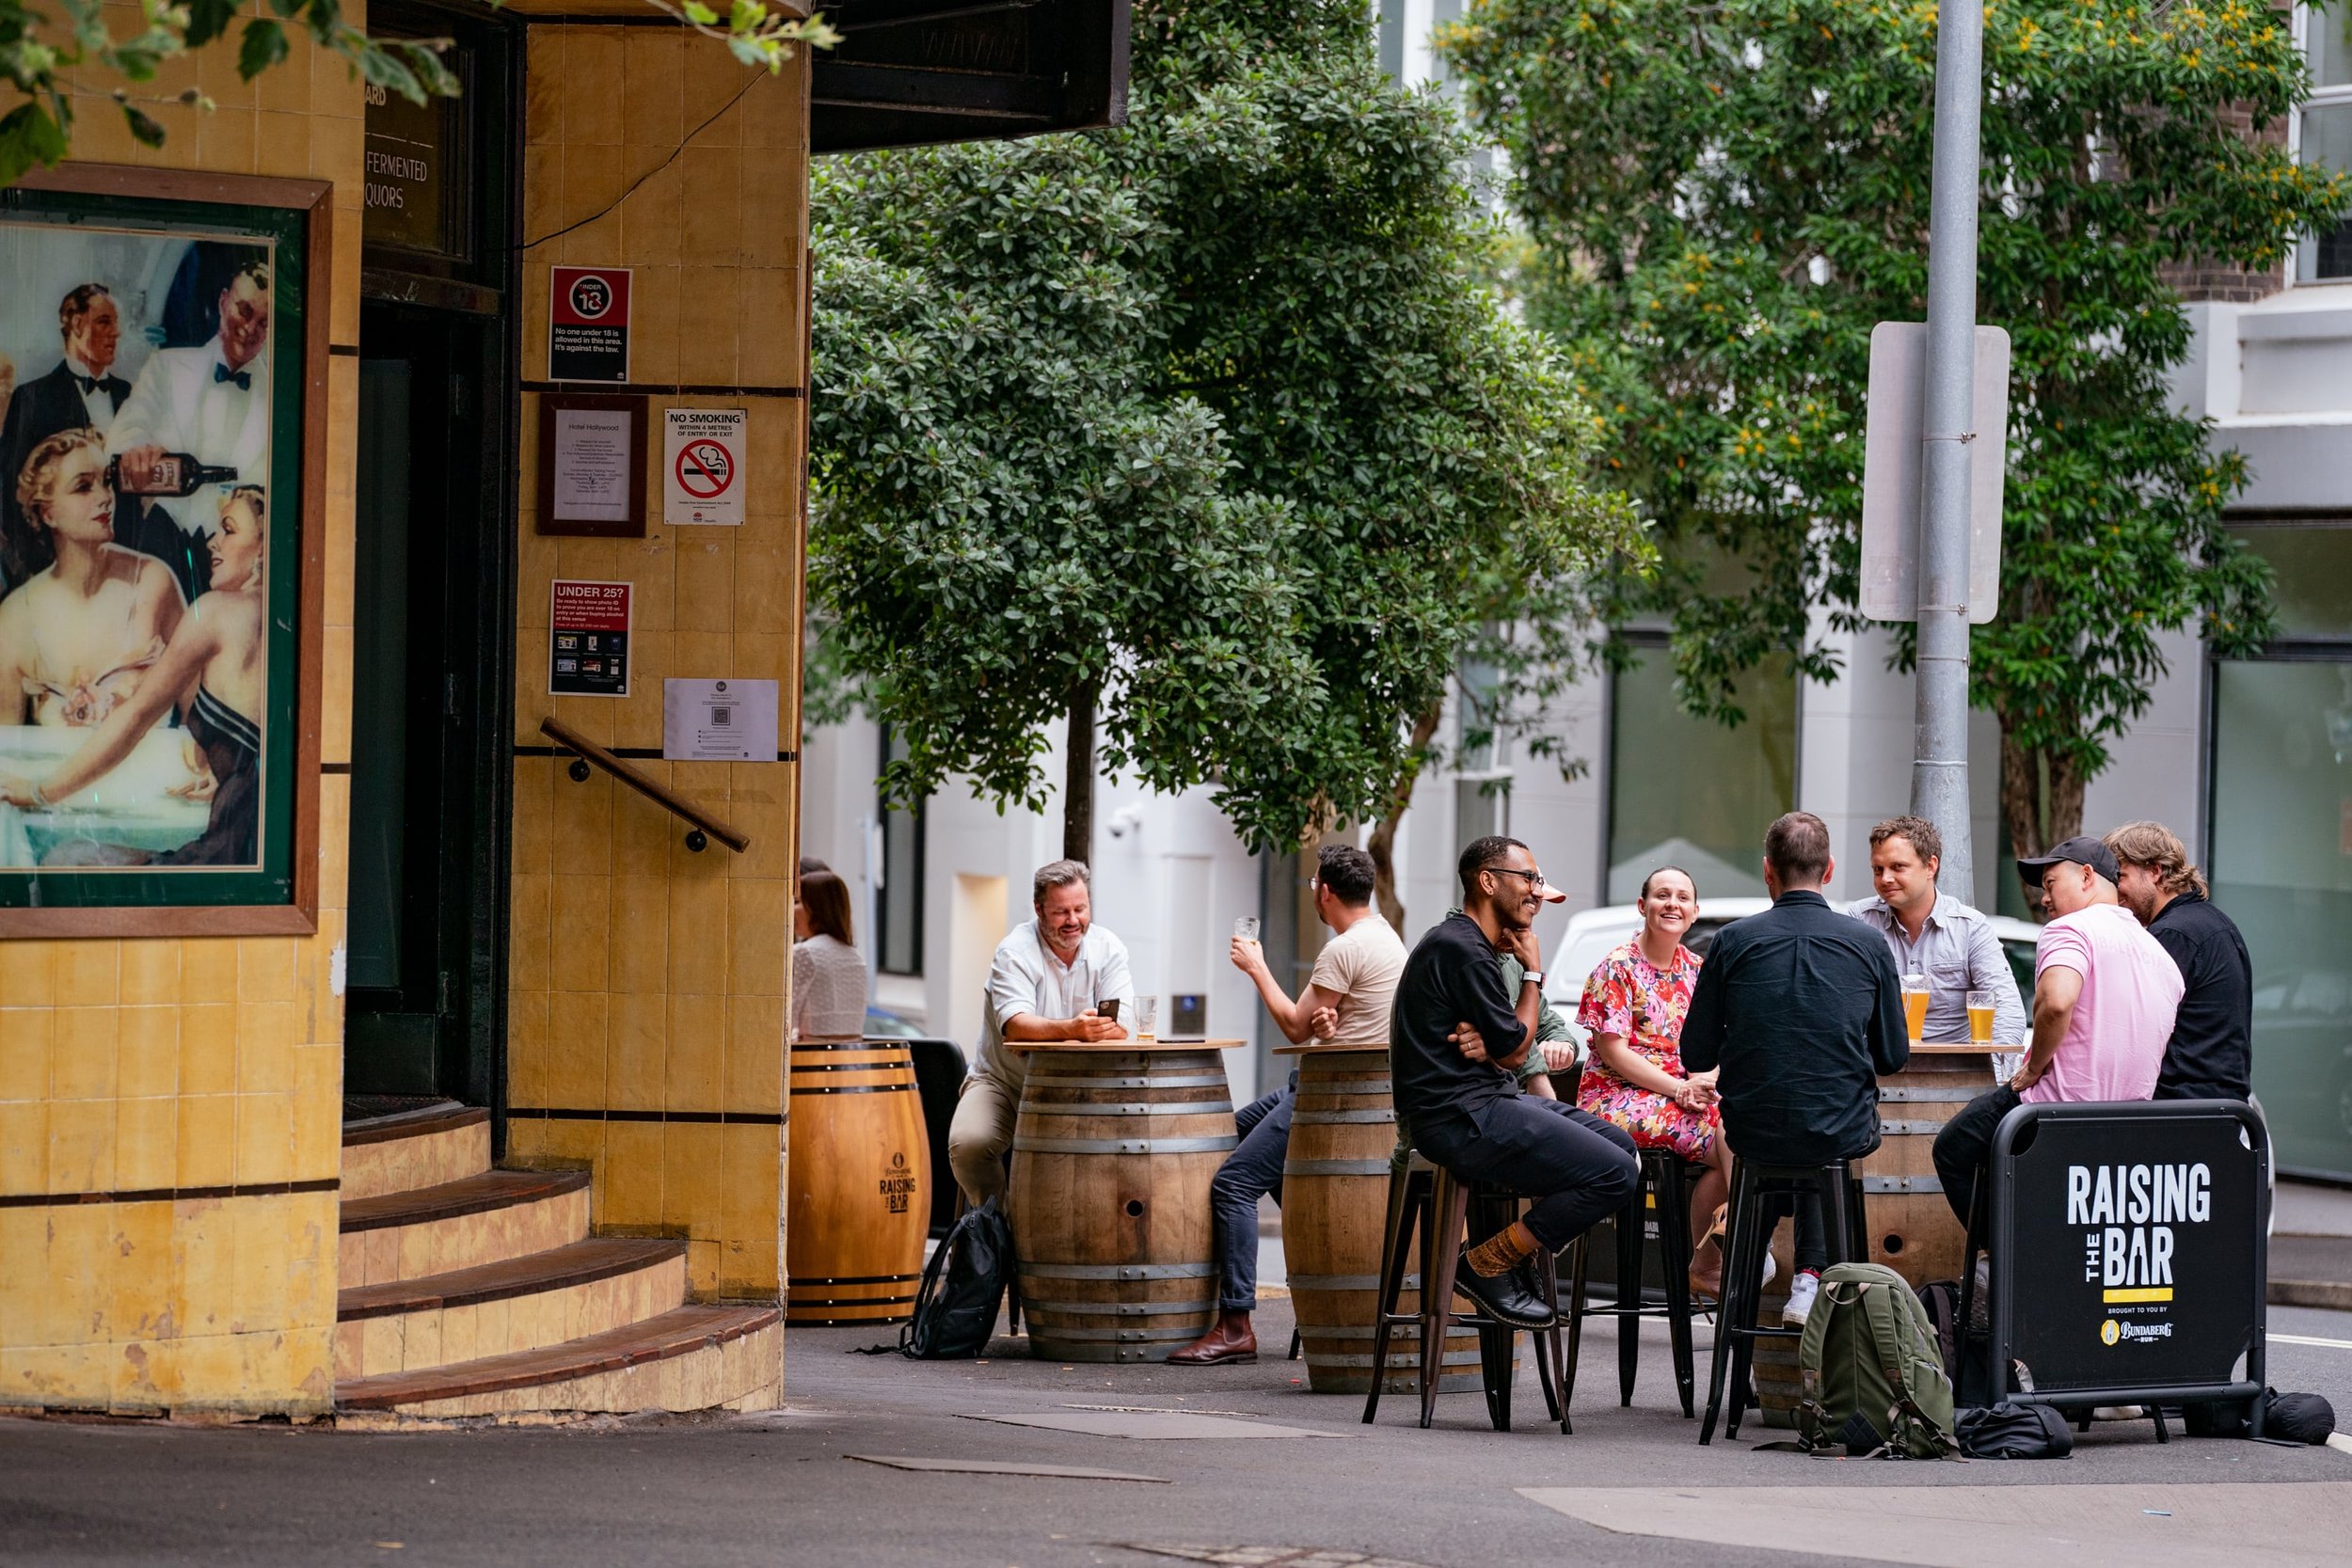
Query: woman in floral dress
point(1632, 1011)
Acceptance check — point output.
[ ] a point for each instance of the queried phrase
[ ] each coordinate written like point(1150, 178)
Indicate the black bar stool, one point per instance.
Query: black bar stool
point(1759, 1196)
point(1665, 1187)
point(1428, 1201)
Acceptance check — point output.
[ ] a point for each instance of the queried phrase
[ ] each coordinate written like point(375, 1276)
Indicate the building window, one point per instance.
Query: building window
point(898, 881)
point(2280, 841)
point(2324, 132)
point(1691, 792)
point(1482, 758)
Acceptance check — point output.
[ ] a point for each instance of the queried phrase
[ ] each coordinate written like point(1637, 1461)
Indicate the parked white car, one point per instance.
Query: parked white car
point(1592, 934)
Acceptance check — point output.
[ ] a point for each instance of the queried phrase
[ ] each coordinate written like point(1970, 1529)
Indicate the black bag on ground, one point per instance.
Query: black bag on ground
point(955, 1308)
point(2011, 1431)
point(1972, 1376)
point(2287, 1418)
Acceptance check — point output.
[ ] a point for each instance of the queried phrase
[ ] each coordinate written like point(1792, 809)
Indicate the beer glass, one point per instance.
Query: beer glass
point(1981, 1018)
point(1915, 1007)
point(1245, 929)
point(1147, 1018)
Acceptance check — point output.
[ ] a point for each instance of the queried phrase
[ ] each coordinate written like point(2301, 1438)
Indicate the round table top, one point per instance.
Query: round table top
point(1107, 1047)
point(1963, 1048)
point(1328, 1047)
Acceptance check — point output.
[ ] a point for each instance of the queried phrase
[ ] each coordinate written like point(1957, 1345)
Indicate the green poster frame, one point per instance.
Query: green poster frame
point(279, 895)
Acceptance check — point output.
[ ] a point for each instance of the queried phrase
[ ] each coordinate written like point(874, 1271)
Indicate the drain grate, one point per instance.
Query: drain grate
point(1266, 1557)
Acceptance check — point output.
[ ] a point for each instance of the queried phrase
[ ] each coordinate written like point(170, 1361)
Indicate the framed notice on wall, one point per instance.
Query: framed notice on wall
point(592, 464)
point(160, 549)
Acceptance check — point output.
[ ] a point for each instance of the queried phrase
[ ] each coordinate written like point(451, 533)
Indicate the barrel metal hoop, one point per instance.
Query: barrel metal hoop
point(1343, 1118)
point(1119, 1271)
point(902, 1086)
point(1131, 1081)
point(1959, 1094)
point(1335, 1168)
point(1910, 1129)
point(1346, 1085)
point(1132, 1108)
point(1347, 1282)
point(1117, 1308)
point(1124, 1146)
point(851, 1067)
point(1902, 1184)
point(1047, 1334)
point(1398, 1361)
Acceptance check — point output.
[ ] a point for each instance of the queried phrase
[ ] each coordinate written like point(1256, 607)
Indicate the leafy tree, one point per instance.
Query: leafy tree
point(45, 58)
point(1730, 196)
point(1203, 431)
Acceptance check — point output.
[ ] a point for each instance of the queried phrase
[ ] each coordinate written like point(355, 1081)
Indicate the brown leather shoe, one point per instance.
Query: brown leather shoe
point(1230, 1339)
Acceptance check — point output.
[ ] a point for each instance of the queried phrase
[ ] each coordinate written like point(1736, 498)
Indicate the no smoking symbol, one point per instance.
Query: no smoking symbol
point(705, 470)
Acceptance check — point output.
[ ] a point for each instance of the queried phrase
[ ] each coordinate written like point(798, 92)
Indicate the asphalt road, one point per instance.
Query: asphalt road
point(779, 1488)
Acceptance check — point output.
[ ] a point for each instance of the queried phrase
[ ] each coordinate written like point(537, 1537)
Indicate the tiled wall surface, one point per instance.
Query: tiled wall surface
point(161, 1083)
point(647, 1006)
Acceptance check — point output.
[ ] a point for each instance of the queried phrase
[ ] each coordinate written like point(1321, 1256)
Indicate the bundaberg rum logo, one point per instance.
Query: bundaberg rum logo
point(2109, 1332)
point(898, 1184)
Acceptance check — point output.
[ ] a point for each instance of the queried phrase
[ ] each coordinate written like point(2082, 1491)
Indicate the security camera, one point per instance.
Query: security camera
point(1126, 819)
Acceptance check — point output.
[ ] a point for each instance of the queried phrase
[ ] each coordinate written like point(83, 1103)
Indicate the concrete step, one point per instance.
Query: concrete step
point(487, 1219)
point(422, 1147)
point(516, 1303)
point(690, 1358)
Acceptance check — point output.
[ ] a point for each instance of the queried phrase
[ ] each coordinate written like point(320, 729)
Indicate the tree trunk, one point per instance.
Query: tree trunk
point(2035, 824)
point(1077, 789)
point(1381, 847)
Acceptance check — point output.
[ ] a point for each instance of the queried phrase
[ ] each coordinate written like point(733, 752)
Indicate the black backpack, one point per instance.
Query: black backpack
point(955, 1308)
point(2010, 1431)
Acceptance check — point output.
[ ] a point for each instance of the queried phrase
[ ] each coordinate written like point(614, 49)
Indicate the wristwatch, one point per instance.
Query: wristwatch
point(1532, 977)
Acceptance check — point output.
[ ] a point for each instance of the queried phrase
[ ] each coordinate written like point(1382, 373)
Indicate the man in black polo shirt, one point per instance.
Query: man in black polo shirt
point(1801, 1008)
point(2211, 1056)
point(1456, 1037)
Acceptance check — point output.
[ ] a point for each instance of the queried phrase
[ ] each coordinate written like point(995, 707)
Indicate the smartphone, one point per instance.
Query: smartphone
point(1107, 1009)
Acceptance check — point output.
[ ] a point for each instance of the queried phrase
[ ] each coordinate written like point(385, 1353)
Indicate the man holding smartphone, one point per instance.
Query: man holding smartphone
point(1058, 977)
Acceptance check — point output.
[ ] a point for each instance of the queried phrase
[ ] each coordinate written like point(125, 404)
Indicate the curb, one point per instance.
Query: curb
point(2335, 1295)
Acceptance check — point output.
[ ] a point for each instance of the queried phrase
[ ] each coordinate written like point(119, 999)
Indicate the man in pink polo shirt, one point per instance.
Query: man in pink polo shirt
point(2104, 996)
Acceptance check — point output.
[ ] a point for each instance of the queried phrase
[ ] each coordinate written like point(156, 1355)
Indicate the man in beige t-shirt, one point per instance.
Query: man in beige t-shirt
point(1345, 1003)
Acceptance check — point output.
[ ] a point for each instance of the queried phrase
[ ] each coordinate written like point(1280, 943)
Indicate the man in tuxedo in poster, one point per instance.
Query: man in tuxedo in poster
point(83, 390)
point(211, 402)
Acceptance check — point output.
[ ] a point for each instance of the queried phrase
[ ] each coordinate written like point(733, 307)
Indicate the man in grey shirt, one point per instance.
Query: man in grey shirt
point(1935, 934)
point(1044, 984)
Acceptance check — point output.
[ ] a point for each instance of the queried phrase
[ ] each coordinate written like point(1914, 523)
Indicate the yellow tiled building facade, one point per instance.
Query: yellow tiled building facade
point(171, 1109)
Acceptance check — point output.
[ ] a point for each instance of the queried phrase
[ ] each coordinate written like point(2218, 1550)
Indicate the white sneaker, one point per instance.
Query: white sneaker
point(1802, 1290)
point(1772, 1270)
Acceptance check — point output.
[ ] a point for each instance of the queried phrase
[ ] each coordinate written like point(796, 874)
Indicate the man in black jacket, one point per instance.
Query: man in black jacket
point(82, 392)
point(1456, 1036)
point(2211, 1054)
point(1801, 1008)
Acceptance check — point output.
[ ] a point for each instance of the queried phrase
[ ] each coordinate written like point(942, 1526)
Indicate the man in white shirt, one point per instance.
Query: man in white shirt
point(1345, 1003)
point(1045, 984)
point(212, 402)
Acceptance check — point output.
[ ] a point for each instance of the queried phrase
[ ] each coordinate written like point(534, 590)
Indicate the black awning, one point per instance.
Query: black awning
point(914, 72)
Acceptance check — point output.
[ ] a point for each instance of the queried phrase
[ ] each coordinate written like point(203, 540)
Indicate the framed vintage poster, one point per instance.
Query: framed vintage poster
point(162, 354)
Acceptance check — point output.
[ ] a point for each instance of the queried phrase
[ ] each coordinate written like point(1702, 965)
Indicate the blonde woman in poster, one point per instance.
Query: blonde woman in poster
point(214, 672)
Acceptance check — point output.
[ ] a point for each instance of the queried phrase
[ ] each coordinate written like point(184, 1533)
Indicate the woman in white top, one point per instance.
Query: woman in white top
point(828, 977)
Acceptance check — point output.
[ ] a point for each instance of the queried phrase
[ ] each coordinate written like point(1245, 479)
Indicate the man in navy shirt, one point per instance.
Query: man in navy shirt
point(1801, 1008)
point(1456, 1037)
point(2211, 1054)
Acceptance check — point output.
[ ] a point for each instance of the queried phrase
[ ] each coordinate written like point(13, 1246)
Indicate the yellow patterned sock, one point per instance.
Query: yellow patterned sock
point(1512, 1245)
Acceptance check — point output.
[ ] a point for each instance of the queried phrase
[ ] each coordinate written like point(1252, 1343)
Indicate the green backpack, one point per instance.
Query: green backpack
point(1870, 1360)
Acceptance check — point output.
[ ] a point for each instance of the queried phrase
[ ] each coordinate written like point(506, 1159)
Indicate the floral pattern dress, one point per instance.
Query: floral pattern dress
point(1631, 997)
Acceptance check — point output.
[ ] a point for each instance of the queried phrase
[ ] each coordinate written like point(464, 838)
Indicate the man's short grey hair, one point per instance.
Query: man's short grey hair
point(1054, 874)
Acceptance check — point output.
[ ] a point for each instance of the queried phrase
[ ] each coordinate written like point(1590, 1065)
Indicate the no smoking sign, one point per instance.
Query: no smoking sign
point(702, 479)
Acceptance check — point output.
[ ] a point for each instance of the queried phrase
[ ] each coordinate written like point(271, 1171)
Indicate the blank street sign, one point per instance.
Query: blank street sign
point(1892, 468)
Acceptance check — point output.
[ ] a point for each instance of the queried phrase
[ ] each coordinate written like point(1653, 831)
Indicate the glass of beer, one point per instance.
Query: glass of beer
point(1247, 927)
point(1915, 1007)
point(1981, 1018)
point(1147, 1018)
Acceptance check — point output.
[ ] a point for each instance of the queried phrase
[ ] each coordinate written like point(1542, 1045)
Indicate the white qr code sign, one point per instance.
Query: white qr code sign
point(719, 720)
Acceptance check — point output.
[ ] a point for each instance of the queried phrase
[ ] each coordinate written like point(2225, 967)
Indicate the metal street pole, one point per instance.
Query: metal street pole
point(1939, 768)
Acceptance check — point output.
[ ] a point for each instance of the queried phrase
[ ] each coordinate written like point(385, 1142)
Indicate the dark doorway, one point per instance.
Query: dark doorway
point(429, 689)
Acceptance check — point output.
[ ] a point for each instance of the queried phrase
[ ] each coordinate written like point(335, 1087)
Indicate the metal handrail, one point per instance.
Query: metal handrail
point(587, 754)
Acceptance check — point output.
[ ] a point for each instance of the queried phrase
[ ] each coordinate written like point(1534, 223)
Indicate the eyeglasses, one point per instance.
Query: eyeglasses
point(1533, 879)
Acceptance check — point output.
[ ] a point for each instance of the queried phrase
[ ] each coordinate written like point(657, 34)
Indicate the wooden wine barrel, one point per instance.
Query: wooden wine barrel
point(1335, 1200)
point(1112, 1156)
point(857, 1184)
point(1912, 1229)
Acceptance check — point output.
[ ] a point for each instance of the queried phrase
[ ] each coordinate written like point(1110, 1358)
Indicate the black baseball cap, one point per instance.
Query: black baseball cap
point(2081, 851)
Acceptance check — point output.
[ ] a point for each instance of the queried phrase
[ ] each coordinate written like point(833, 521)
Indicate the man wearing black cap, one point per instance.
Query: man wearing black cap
point(2104, 995)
